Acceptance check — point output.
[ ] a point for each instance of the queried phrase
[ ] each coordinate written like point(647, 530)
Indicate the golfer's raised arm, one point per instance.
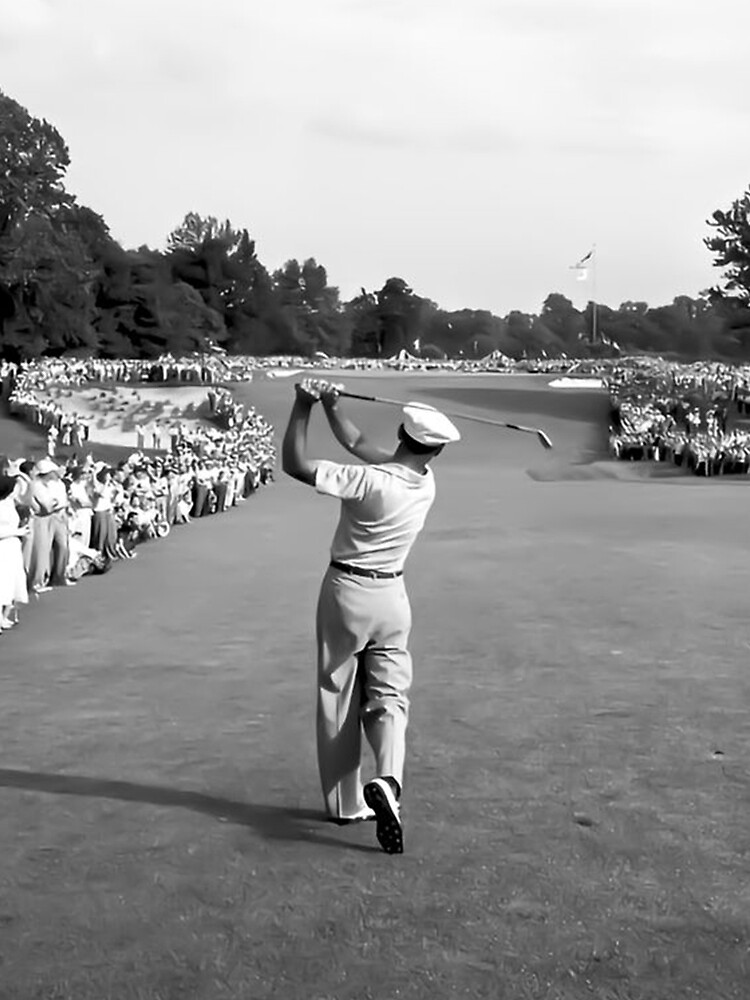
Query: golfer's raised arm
point(348, 434)
point(294, 460)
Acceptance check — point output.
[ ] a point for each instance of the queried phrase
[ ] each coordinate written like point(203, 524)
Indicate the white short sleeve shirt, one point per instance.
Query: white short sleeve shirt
point(383, 509)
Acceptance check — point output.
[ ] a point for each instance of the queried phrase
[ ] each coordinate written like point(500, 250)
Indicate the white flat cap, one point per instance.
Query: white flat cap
point(429, 426)
point(44, 466)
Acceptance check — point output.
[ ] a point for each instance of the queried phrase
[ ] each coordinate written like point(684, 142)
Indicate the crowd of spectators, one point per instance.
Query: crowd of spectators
point(61, 520)
point(78, 517)
point(691, 416)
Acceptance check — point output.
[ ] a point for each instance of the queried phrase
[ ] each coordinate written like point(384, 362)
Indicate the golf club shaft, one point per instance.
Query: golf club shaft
point(544, 439)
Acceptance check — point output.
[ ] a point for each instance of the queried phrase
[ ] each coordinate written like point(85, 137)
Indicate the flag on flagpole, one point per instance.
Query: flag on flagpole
point(582, 266)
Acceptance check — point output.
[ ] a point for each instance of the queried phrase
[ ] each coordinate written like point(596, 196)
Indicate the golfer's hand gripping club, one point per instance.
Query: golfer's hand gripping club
point(318, 390)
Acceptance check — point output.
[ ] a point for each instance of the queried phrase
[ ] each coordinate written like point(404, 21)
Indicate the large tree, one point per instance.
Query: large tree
point(195, 230)
point(402, 315)
point(47, 275)
point(33, 162)
point(143, 311)
point(312, 307)
point(221, 264)
point(730, 246)
point(362, 314)
point(56, 285)
point(46, 271)
point(563, 320)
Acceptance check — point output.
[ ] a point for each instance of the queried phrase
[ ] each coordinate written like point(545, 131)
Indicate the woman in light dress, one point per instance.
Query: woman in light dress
point(12, 575)
point(81, 507)
point(103, 524)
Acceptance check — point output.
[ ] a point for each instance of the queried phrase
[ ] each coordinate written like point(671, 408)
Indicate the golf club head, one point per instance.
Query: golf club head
point(544, 441)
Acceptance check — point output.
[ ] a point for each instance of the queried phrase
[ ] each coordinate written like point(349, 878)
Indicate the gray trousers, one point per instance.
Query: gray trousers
point(59, 541)
point(364, 678)
point(39, 552)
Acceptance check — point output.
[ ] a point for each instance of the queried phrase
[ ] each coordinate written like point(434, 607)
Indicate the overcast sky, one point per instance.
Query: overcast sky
point(475, 148)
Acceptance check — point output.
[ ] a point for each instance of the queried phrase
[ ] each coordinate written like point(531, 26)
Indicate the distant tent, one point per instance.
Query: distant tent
point(403, 355)
point(496, 357)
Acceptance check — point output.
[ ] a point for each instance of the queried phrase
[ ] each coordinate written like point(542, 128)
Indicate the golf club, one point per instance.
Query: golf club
point(543, 438)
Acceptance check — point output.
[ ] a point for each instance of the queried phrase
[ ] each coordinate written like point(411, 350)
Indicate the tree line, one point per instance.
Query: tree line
point(67, 286)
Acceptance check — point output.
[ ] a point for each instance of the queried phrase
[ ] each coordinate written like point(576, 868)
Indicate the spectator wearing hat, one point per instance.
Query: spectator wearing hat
point(50, 505)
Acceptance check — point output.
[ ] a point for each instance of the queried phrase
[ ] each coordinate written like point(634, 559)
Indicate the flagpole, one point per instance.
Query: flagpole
point(582, 266)
point(593, 295)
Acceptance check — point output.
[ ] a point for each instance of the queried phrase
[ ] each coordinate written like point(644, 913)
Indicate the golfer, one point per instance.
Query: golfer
point(363, 616)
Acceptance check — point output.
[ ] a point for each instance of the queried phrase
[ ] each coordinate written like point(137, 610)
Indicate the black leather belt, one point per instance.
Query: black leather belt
point(370, 574)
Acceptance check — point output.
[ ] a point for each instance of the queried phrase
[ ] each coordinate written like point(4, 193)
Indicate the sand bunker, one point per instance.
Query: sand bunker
point(560, 470)
point(115, 412)
point(556, 471)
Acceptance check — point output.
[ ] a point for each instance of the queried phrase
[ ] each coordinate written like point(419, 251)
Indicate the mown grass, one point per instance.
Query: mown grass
point(576, 796)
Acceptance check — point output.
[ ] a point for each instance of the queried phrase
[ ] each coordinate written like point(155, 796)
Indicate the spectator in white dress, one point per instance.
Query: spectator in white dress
point(81, 507)
point(12, 575)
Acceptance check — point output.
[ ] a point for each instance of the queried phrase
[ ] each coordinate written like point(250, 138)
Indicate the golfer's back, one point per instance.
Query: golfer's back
point(383, 509)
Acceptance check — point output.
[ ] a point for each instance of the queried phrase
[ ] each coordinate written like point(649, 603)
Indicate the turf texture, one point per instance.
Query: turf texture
point(576, 796)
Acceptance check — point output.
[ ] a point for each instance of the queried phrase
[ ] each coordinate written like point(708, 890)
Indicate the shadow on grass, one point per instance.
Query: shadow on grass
point(270, 822)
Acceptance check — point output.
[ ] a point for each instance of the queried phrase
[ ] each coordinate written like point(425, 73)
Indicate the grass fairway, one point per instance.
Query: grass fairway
point(577, 787)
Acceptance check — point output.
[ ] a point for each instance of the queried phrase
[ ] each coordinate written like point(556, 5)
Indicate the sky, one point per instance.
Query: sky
point(475, 148)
